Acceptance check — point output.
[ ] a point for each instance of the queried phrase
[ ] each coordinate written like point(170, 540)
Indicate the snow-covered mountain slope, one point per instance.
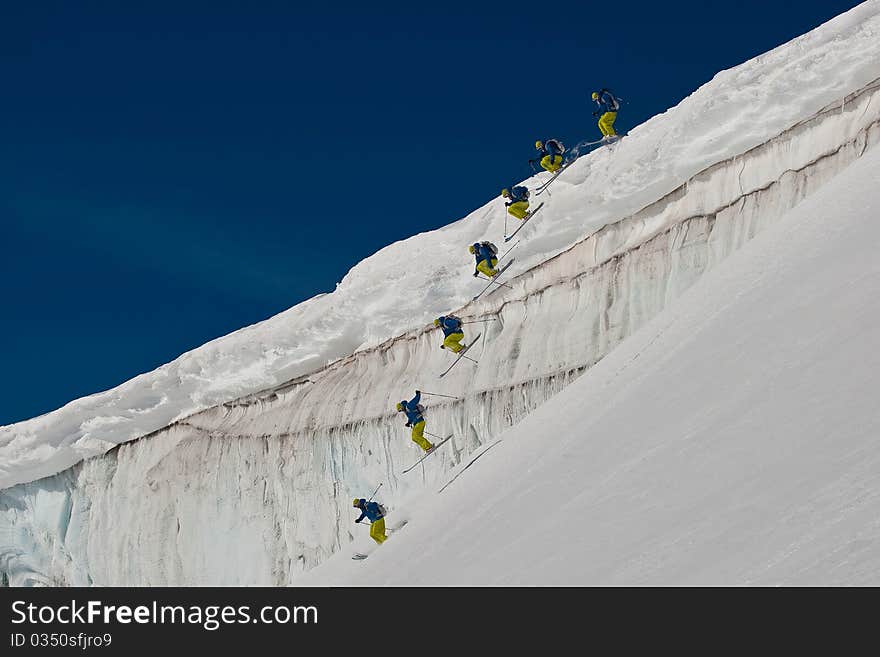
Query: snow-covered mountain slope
point(738, 110)
point(734, 439)
point(257, 489)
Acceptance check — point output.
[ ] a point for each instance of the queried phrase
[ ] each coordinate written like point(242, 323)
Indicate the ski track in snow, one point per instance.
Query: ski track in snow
point(737, 110)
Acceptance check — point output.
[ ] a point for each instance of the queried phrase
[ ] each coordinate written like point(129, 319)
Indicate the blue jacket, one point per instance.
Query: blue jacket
point(517, 194)
point(411, 408)
point(483, 252)
point(606, 102)
point(551, 147)
point(369, 510)
point(450, 325)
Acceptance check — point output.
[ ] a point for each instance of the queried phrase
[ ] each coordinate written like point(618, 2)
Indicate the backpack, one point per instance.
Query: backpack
point(382, 509)
point(522, 196)
point(558, 143)
point(491, 247)
point(421, 408)
point(615, 102)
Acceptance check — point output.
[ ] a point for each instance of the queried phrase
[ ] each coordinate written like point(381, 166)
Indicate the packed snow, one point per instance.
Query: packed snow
point(733, 440)
point(740, 108)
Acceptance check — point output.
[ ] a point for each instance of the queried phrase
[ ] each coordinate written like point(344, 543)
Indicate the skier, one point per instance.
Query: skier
point(415, 419)
point(376, 515)
point(550, 154)
point(607, 112)
point(486, 254)
point(452, 331)
point(518, 205)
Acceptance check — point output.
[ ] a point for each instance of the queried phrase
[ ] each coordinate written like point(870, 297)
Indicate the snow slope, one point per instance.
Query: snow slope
point(740, 108)
point(734, 439)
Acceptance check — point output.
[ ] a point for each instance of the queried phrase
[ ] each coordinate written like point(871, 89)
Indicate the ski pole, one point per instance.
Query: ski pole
point(433, 435)
point(478, 321)
point(437, 394)
point(508, 250)
point(494, 281)
point(375, 491)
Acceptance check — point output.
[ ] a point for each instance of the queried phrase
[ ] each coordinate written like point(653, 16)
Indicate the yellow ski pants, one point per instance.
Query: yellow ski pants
point(551, 162)
point(606, 123)
point(418, 437)
point(519, 209)
point(488, 267)
point(377, 531)
point(452, 342)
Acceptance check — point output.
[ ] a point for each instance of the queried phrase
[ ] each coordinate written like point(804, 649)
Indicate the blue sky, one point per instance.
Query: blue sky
point(175, 171)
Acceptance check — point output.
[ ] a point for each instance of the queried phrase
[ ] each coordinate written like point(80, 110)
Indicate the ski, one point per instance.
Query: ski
point(460, 354)
point(552, 178)
point(577, 154)
point(598, 142)
point(427, 454)
point(524, 222)
point(494, 278)
point(359, 556)
point(577, 149)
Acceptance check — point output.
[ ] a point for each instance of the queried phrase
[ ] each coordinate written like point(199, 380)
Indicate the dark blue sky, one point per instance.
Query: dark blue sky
point(175, 171)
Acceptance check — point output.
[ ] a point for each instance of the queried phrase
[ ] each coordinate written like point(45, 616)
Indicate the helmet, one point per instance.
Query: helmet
point(437, 322)
point(539, 144)
point(356, 502)
point(505, 192)
point(595, 95)
point(400, 406)
point(472, 248)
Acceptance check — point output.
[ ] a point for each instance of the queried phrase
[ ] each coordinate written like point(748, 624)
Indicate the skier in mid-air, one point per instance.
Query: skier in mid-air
point(374, 512)
point(607, 112)
point(486, 255)
point(518, 205)
point(415, 418)
point(452, 332)
point(550, 154)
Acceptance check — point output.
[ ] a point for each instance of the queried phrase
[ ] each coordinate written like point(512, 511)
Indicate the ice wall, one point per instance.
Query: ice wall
point(256, 490)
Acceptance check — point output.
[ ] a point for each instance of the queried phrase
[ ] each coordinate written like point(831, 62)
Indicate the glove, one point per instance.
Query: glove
point(476, 273)
point(507, 205)
point(418, 392)
point(407, 424)
point(358, 520)
point(443, 346)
